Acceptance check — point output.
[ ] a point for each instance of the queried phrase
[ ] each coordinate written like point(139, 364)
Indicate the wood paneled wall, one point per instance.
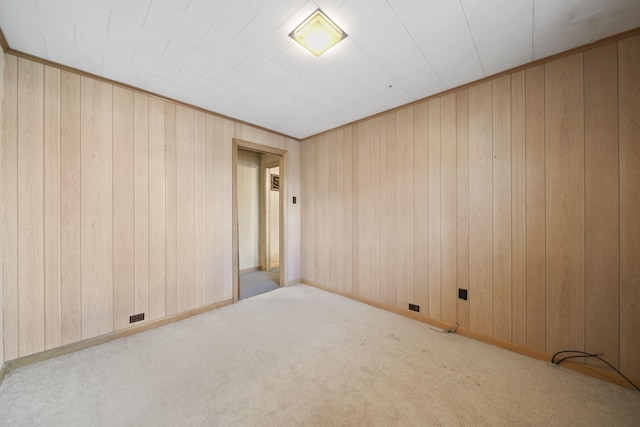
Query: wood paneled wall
point(2, 215)
point(523, 189)
point(113, 203)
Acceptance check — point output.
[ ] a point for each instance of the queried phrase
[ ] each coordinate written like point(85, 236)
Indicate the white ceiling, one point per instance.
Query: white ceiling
point(233, 57)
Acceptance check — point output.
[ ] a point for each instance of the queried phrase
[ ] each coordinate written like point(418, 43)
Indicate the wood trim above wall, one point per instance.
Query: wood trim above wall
point(258, 148)
point(271, 165)
point(3, 41)
point(590, 370)
point(10, 51)
point(522, 67)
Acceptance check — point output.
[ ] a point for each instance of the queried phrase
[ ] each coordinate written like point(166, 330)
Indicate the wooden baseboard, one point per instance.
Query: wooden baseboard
point(250, 270)
point(603, 373)
point(81, 345)
point(3, 370)
point(590, 370)
point(386, 307)
point(293, 282)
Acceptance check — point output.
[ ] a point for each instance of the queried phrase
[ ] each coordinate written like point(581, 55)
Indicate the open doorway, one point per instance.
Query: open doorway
point(271, 217)
point(258, 219)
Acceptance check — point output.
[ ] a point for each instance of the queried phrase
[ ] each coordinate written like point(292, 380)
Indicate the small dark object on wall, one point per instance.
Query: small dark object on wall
point(136, 318)
point(275, 182)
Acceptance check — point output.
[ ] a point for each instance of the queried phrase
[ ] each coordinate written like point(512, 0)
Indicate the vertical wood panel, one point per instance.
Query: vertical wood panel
point(375, 211)
point(344, 192)
point(219, 266)
point(364, 208)
point(171, 189)
point(227, 198)
point(435, 208)
point(347, 144)
point(518, 206)
point(157, 265)
point(385, 267)
point(124, 249)
point(142, 200)
point(421, 169)
point(200, 188)
point(324, 219)
point(355, 241)
point(602, 238)
point(404, 207)
point(462, 203)
point(321, 186)
point(391, 226)
point(535, 208)
point(388, 225)
point(336, 170)
point(30, 207)
point(293, 247)
point(448, 244)
point(210, 208)
point(564, 132)
point(331, 204)
point(502, 207)
point(310, 204)
point(9, 203)
point(96, 201)
point(3, 225)
point(52, 325)
point(629, 102)
point(70, 208)
point(185, 213)
point(480, 209)
point(306, 199)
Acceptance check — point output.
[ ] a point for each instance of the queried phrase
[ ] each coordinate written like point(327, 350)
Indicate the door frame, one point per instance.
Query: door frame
point(284, 163)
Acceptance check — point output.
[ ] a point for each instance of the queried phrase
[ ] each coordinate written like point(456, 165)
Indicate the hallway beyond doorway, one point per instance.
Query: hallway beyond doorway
point(258, 282)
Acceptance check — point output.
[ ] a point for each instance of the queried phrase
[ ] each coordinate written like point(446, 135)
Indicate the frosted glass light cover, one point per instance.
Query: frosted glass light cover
point(317, 33)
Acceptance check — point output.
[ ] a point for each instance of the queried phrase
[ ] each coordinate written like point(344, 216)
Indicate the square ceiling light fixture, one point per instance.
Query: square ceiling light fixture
point(318, 33)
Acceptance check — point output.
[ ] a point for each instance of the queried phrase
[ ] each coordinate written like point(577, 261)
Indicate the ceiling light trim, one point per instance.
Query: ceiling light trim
point(318, 33)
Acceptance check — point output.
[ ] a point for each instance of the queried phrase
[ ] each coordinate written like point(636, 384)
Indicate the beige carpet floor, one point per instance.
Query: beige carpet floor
point(299, 356)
